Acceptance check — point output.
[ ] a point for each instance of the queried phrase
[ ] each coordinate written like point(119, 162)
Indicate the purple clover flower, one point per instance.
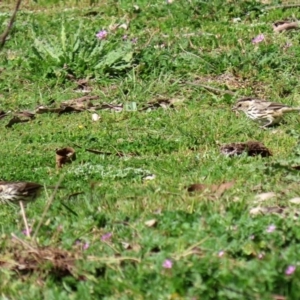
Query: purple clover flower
point(102, 34)
point(27, 233)
point(85, 246)
point(271, 228)
point(106, 237)
point(80, 243)
point(260, 255)
point(290, 270)
point(258, 39)
point(168, 264)
point(221, 253)
point(134, 40)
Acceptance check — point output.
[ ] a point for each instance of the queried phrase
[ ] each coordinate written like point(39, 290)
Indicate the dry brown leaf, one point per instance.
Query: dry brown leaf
point(162, 102)
point(82, 82)
point(75, 102)
point(218, 189)
point(2, 114)
point(25, 114)
point(285, 25)
point(20, 117)
point(64, 155)
point(115, 107)
point(91, 13)
point(72, 105)
point(68, 109)
point(252, 148)
point(78, 105)
point(134, 247)
point(256, 211)
point(42, 109)
point(95, 117)
point(197, 187)
point(28, 258)
point(83, 86)
point(15, 120)
point(124, 26)
point(278, 297)
point(295, 200)
point(149, 177)
point(136, 8)
point(151, 223)
point(265, 196)
point(274, 210)
point(267, 210)
point(223, 187)
point(126, 246)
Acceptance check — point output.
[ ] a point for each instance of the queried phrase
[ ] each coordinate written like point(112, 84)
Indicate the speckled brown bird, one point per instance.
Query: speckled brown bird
point(264, 112)
point(14, 192)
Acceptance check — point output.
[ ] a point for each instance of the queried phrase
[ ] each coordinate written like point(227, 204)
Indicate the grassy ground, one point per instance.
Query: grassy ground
point(124, 236)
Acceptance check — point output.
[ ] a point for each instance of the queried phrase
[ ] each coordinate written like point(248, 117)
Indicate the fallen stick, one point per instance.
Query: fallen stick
point(286, 26)
point(10, 25)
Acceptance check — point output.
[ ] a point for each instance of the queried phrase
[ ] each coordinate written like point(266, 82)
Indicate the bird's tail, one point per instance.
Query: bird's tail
point(51, 187)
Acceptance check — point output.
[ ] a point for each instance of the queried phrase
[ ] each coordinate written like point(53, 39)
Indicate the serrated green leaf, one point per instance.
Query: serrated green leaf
point(76, 45)
point(46, 48)
point(128, 57)
point(37, 53)
point(63, 37)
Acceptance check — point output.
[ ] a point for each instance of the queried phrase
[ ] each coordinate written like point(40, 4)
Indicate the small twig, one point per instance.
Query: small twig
point(74, 195)
point(24, 219)
point(286, 26)
point(193, 54)
point(112, 259)
point(212, 89)
point(24, 243)
point(81, 99)
point(151, 36)
point(186, 35)
point(50, 200)
point(190, 250)
point(10, 25)
point(283, 6)
point(112, 247)
point(95, 151)
point(69, 209)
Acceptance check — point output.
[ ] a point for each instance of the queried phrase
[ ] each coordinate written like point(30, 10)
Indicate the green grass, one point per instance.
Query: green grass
point(179, 46)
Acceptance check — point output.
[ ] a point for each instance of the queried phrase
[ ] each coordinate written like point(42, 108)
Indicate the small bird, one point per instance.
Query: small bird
point(16, 192)
point(264, 112)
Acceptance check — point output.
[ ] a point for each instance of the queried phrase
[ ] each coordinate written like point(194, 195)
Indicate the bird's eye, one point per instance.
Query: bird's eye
point(240, 105)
